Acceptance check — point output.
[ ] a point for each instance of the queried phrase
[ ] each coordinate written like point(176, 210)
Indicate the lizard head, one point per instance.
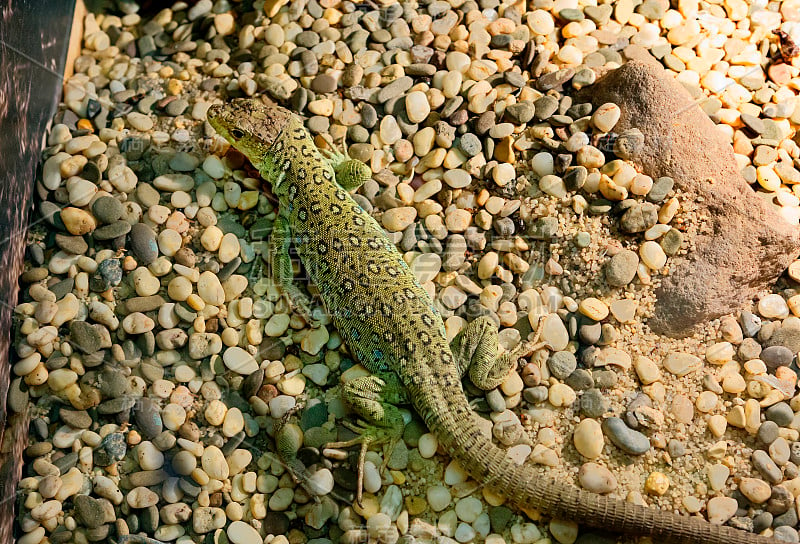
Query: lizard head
point(251, 125)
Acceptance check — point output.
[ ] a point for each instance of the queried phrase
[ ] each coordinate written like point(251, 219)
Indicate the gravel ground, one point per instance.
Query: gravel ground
point(158, 359)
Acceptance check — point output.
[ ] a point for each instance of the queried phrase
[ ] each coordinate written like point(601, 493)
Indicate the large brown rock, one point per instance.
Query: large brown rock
point(746, 244)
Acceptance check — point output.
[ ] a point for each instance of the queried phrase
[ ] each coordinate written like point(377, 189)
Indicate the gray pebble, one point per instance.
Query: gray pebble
point(671, 242)
point(676, 448)
point(766, 466)
point(395, 89)
point(72, 244)
point(593, 403)
point(562, 364)
point(750, 323)
point(780, 500)
point(470, 144)
point(605, 379)
point(89, 511)
point(780, 413)
point(455, 252)
point(111, 449)
point(143, 243)
point(767, 432)
point(521, 112)
point(177, 107)
point(786, 533)
point(575, 177)
point(787, 519)
point(84, 337)
point(114, 230)
point(629, 143)
point(580, 380)
point(536, 394)
point(776, 356)
point(148, 418)
point(621, 268)
point(625, 438)
point(107, 209)
point(660, 189)
point(639, 217)
point(762, 521)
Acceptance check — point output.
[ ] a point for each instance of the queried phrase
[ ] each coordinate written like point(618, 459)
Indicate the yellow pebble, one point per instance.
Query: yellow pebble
point(656, 484)
point(416, 505)
point(593, 308)
point(398, 477)
point(85, 124)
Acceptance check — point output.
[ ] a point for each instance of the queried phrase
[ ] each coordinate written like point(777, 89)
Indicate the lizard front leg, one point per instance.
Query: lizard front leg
point(281, 267)
point(373, 398)
point(475, 349)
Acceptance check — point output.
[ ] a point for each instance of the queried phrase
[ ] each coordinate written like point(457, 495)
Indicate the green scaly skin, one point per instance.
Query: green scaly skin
point(392, 327)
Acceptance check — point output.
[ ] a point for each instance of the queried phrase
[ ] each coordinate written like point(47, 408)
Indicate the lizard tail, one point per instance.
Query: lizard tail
point(452, 420)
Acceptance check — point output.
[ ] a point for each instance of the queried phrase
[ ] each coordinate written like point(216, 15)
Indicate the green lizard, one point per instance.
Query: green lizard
point(391, 326)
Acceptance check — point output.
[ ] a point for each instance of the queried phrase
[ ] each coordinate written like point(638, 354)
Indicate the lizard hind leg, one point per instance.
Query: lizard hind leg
point(372, 398)
point(350, 173)
point(476, 350)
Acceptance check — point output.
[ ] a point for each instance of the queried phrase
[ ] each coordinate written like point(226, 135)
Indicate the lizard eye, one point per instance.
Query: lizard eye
point(237, 133)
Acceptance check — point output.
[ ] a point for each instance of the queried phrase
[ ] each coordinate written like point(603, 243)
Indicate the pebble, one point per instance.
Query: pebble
point(625, 438)
point(596, 478)
point(621, 268)
point(681, 364)
point(588, 438)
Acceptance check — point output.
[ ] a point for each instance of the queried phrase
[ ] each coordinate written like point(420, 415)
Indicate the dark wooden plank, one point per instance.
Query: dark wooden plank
point(34, 35)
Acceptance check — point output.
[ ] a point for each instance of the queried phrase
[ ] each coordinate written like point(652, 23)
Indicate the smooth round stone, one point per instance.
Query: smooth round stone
point(417, 106)
point(621, 268)
point(773, 306)
point(717, 476)
point(140, 121)
point(562, 364)
point(776, 356)
point(593, 308)
point(213, 166)
point(630, 441)
point(184, 162)
point(77, 221)
point(321, 482)
point(240, 532)
point(426, 267)
point(438, 497)
point(551, 185)
point(781, 414)
point(397, 219)
point(174, 182)
point(606, 116)
point(757, 491)
point(239, 360)
point(280, 405)
point(143, 243)
point(588, 438)
point(652, 255)
point(141, 497)
point(596, 478)
point(428, 444)
point(721, 509)
point(554, 332)
point(149, 457)
point(214, 464)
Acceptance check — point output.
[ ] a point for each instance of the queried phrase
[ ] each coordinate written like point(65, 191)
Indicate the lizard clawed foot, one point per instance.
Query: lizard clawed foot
point(368, 435)
point(529, 346)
